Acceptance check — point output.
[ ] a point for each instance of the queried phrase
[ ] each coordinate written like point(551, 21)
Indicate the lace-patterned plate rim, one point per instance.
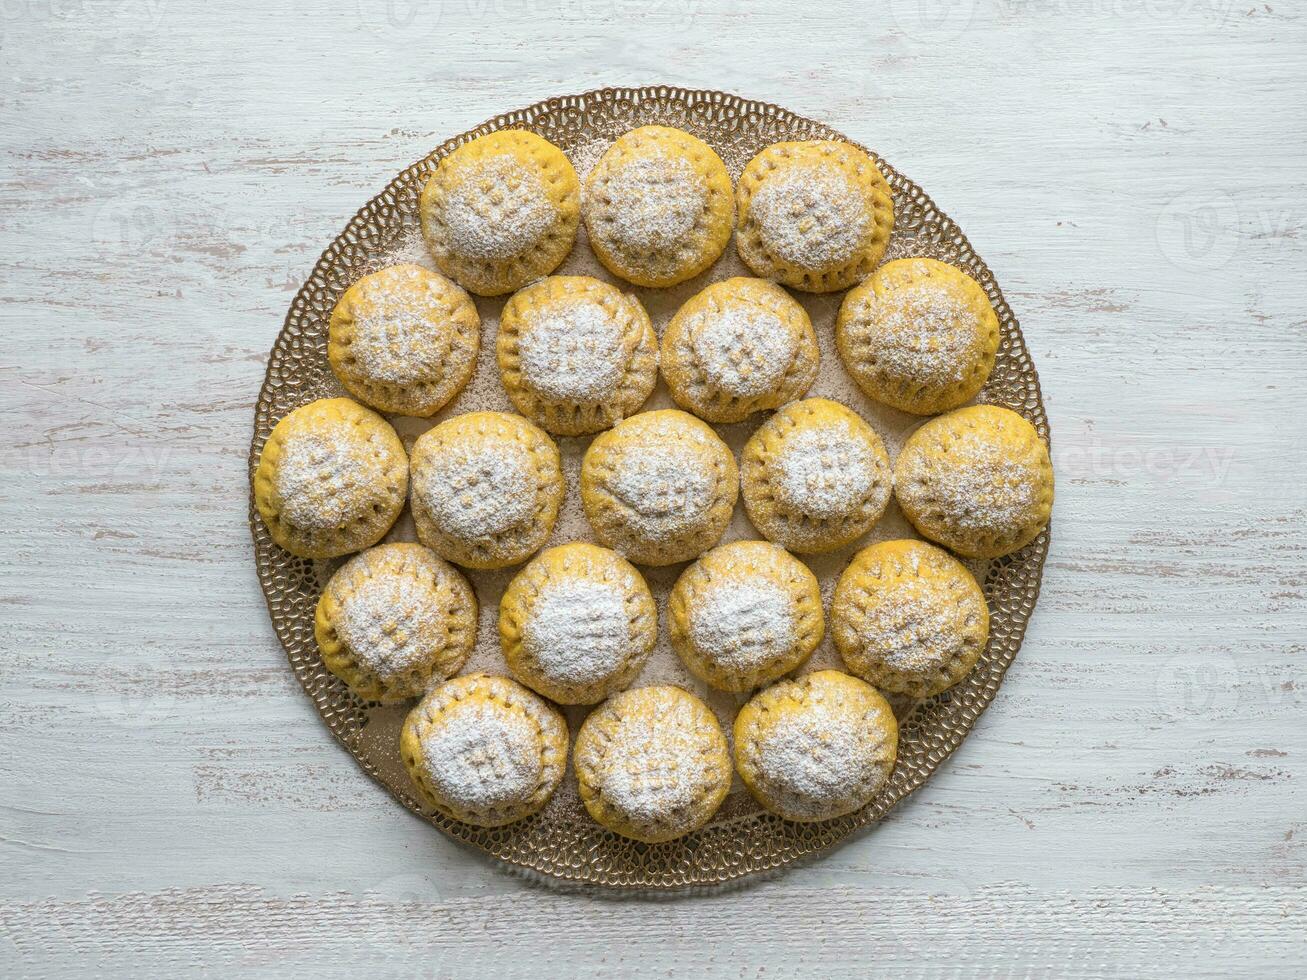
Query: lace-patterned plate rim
point(741, 841)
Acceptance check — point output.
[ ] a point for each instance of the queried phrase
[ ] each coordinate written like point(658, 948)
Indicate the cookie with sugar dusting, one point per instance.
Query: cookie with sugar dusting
point(331, 479)
point(577, 624)
point(576, 354)
point(659, 487)
point(393, 618)
point(658, 207)
point(744, 614)
point(486, 489)
point(404, 340)
point(978, 480)
point(816, 477)
point(909, 618)
point(918, 335)
point(652, 763)
point(484, 750)
point(500, 211)
point(738, 347)
point(817, 747)
point(814, 215)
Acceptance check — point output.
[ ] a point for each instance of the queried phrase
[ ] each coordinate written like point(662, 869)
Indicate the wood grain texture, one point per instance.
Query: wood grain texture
point(1133, 803)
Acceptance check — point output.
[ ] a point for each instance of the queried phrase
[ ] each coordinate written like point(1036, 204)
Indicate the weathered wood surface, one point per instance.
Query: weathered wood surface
point(1133, 803)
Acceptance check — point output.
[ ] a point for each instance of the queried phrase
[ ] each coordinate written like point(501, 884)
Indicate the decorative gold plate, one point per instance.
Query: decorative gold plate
point(562, 842)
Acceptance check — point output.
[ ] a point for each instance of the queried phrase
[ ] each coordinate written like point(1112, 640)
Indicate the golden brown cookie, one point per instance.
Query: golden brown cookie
point(577, 623)
point(658, 207)
point(484, 750)
point(744, 614)
point(659, 487)
point(486, 489)
point(500, 211)
point(909, 618)
point(817, 747)
point(816, 476)
point(331, 479)
point(813, 215)
point(738, 347)
point(393, 618)
point(918, 335)
point(575, 354)
point(978, 480)
point(652, 764)
point(404, 340)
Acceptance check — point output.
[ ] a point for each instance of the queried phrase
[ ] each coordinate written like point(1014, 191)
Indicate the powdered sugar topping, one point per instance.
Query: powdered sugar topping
point(666, 487)
point(578, 631)
point(925, 334)
point(816, 756)
point(654, 202)
point(743, 622)
point(744, 350)
point(654, 763)
point(388, 622)
point(330, 477)
point(480, 756)
point(573, 353)
point(825, 472)
point(475, 492)
point(914, 627)
point(398, 335)
point(500, 213)
point(810, 217)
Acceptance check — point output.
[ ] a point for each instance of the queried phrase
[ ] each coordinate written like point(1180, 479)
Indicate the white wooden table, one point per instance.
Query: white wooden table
point(1135, 801)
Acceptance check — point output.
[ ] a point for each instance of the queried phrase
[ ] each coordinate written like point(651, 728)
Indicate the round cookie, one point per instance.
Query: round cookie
point(918, 335)
point(658, 207)
point(575, 354)
point(404, 340)
point(909, 618)
point(394, 617)
point(577, 623)
point(744, 614)
point(652, 764)
point(738, 347)
point(486, 489)
point(331, 479)
point(978, 480)
point(484, 750)
point(659, 487)
point(817, 747)
point(500, 211)
point(815, 476)
point(814, 215)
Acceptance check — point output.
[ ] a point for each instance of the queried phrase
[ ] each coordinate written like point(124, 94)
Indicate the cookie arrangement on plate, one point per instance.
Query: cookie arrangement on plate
point(579, 357)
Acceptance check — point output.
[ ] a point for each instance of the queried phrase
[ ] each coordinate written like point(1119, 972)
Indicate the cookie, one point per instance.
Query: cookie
point(500, 211)
point(404, 340)
point(393, 618)
point(658, 207)
point(744, 614)
point(815, 476)
point(331, 479)
point(577, 623)
point(817, 747)
point(659, 487)
point(486, 489)
point(813, 215)
point(978, 480)
point(652, 764)
point(909, 618)
point(484, 750)
point(575, 354)
point(918, 335)
point(738, 347)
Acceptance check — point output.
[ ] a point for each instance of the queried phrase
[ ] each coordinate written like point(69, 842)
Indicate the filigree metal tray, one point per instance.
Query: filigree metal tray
point(562, 843)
